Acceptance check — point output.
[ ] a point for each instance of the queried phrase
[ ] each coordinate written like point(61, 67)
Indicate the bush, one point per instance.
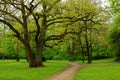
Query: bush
point(49, 54)
point(117, 59)
point(43, 59)
point(99, 57)
point(62, 56)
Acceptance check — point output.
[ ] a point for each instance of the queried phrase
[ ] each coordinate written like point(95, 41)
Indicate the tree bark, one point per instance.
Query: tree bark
point(17, 57)
point(87, 44)
point(39, 57)
point(82, 49)
point(3, 57)
point(34, 59)
point(88, 50)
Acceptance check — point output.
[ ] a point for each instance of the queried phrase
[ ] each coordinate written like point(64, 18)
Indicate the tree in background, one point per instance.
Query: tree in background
point(115, 30)
point(17, 48)
point(3, 36)
point(115, 6)
point(115, 35)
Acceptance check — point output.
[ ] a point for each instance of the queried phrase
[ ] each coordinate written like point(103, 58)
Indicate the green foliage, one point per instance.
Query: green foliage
point(101, 45)
point(115, 35)
point(115, 4)
point(101, 51)
point(77, 8)
point(58, 15)
point(7, 47)
point(117, 59)
point(62, 56)
point(115, 30)
point(49, 54)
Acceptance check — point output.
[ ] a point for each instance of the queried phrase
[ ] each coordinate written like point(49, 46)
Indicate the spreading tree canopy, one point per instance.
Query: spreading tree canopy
point(34, 17)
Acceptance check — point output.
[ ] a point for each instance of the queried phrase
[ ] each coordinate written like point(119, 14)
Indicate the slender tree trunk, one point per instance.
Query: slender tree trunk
point(88, 50)
point(89, 57)
point(83, 56)
point(3, 57)
point(4, 36)
point(72, 50)
point(90, 46)
point(71, 53)
point(82, 49)
point(17, 57)
point(17, 52)
point(87, 44)
point(72, 56)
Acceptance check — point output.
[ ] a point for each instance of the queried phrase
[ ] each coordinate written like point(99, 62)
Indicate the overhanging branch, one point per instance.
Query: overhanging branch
point(14, 30)
point(51, 46)
point(13, 16)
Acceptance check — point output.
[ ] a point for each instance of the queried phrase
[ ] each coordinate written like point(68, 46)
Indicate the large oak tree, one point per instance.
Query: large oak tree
point(41, 13)
point(35, 17)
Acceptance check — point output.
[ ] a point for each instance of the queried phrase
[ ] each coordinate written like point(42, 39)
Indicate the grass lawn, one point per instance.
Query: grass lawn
point(12, 70)
point(100, 70)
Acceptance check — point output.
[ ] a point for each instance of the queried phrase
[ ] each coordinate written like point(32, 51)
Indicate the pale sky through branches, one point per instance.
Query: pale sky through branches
point(103, 2)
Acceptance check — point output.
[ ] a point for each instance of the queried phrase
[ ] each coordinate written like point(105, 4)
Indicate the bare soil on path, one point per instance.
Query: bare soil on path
point(68, 73)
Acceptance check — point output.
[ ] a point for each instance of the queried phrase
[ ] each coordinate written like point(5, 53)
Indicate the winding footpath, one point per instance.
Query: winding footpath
point(68, 73)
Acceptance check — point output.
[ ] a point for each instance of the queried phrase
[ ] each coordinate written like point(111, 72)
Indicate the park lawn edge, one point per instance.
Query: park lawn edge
point(12, 70)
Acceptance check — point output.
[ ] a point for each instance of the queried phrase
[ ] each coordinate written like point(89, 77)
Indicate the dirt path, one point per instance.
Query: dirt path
point(68, 73)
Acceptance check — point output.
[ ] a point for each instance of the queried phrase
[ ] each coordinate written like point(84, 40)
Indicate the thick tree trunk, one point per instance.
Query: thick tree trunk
point(34, 60)
point(30, 57)
point(38, 56)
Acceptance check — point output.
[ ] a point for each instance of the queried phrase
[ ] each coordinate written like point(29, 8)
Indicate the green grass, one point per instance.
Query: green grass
point(12, 70)
point(107, 60)
point(100, 70)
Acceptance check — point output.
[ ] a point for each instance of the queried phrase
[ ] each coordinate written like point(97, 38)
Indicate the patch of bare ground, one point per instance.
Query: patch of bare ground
point(68, 73)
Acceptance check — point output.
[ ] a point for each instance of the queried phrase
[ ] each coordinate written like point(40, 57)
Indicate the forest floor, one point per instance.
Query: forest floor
point(68, 73)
